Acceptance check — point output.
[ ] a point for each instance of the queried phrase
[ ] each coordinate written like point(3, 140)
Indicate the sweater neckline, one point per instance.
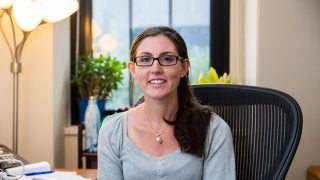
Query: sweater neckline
point(136, 149)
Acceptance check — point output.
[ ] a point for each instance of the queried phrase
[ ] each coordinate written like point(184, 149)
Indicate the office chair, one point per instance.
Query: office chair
point(266, 125)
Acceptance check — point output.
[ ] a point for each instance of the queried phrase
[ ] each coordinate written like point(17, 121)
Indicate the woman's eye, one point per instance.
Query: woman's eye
point(167, 58)
point(145, 59)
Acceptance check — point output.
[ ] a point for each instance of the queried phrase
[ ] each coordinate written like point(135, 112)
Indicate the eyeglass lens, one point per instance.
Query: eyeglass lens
point(165, 60)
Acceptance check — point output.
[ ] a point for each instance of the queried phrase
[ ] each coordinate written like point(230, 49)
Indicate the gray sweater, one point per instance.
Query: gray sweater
point(119, 158)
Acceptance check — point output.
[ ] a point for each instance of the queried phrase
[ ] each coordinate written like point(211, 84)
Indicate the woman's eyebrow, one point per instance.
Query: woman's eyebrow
point(166, 52)
point(145, 53)
point(161, 54)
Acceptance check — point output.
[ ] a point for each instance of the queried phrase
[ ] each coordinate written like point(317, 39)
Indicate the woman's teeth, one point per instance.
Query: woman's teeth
point(157, 81)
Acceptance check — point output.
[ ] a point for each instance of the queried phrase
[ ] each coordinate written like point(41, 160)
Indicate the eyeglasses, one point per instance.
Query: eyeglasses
point(164, 60)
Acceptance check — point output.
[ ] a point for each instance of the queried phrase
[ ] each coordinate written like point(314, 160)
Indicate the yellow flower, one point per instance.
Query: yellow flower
point(212, 77)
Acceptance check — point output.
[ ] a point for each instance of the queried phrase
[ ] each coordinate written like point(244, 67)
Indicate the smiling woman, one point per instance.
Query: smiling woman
point(169, 127)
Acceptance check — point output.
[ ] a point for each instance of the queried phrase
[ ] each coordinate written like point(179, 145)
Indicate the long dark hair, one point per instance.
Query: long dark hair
point(192, 119)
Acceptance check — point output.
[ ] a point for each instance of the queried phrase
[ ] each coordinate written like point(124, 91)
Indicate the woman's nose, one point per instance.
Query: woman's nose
point(156, 66)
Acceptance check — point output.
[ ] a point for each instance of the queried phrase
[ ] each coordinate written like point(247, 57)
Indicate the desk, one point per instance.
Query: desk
point(313, 173)
point(87, 173)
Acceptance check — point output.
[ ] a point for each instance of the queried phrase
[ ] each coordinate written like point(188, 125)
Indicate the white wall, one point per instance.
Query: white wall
point(5, 93)
point(287, 58)
point(43, 93)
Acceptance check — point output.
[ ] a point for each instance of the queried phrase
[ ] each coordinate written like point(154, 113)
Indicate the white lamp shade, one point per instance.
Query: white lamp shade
point(4, 4)
point(27, 13)
point(56, 10)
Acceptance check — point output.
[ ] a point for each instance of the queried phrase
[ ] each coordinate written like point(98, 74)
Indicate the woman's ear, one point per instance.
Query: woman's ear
point(131, 68)
point(185, 67)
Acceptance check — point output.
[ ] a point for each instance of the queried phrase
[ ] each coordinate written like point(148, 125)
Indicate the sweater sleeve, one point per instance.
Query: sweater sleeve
point(109, 148)
point(219, 161)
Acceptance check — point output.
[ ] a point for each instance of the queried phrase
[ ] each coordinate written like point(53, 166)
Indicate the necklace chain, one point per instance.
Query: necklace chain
point(158, 138)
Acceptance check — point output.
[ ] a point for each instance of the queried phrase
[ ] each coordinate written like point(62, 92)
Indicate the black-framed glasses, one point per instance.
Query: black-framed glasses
point(164, 60)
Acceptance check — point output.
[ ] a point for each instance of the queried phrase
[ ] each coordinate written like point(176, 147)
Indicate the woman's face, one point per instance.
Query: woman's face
point(158, 81)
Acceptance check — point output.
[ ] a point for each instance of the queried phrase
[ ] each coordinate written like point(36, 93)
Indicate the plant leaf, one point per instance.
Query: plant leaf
point(212, 75)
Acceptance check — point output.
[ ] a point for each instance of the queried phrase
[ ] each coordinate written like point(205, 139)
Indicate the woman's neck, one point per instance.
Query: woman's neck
point(157, 111)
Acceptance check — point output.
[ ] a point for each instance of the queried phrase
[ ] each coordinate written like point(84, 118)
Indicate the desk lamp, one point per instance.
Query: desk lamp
point(26, 15)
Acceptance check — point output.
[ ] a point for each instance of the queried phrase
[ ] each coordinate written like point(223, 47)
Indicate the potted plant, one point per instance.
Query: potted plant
point(96, 76)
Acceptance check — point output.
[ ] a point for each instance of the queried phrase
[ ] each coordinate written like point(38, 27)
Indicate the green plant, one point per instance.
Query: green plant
point(212, 77)
point(97, 76)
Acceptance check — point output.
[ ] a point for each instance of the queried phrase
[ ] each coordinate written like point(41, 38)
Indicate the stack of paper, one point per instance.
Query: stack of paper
point(57, 175)
point(42, 171)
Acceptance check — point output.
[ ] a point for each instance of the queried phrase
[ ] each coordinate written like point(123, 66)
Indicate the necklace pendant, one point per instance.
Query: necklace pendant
point(158, 139)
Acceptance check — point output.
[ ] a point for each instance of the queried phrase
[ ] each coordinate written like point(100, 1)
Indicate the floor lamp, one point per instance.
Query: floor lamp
point(27, 15)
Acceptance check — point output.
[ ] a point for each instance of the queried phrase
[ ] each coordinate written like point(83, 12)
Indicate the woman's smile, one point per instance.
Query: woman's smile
point(157, 81)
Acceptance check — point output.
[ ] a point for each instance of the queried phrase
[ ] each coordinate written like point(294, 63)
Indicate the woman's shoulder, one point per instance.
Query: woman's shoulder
point(219, 134)
point(111, 133)
point(217, 122)
point(113, 123)
point(219, 128)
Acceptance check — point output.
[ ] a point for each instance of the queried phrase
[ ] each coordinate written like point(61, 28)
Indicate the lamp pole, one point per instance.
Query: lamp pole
point(16, 69)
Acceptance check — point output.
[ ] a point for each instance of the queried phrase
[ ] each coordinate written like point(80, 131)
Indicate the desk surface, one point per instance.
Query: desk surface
point(87, 173)
point(313, 173)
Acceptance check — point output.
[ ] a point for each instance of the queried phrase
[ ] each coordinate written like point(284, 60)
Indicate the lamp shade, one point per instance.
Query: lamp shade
point(56, 10)
point(28, 14)
point(4, 4)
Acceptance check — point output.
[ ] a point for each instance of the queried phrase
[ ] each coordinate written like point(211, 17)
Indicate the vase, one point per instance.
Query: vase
point(91, 121)
point(82, 106)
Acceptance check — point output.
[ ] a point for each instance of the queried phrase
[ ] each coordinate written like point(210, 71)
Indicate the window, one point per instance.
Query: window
point(204, 25)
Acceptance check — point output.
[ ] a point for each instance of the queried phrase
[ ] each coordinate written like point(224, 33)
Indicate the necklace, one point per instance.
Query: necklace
point(158, 138)
point(158, 135)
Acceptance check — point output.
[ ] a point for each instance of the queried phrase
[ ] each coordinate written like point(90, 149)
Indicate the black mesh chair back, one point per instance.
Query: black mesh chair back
point(266, 125)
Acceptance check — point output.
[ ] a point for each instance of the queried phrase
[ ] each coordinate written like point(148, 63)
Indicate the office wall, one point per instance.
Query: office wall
point(5, 93)
point(288, 58)
point(43, 93)
point(283, 40)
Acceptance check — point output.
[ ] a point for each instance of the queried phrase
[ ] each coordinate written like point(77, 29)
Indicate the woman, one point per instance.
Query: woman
point(169, 135)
